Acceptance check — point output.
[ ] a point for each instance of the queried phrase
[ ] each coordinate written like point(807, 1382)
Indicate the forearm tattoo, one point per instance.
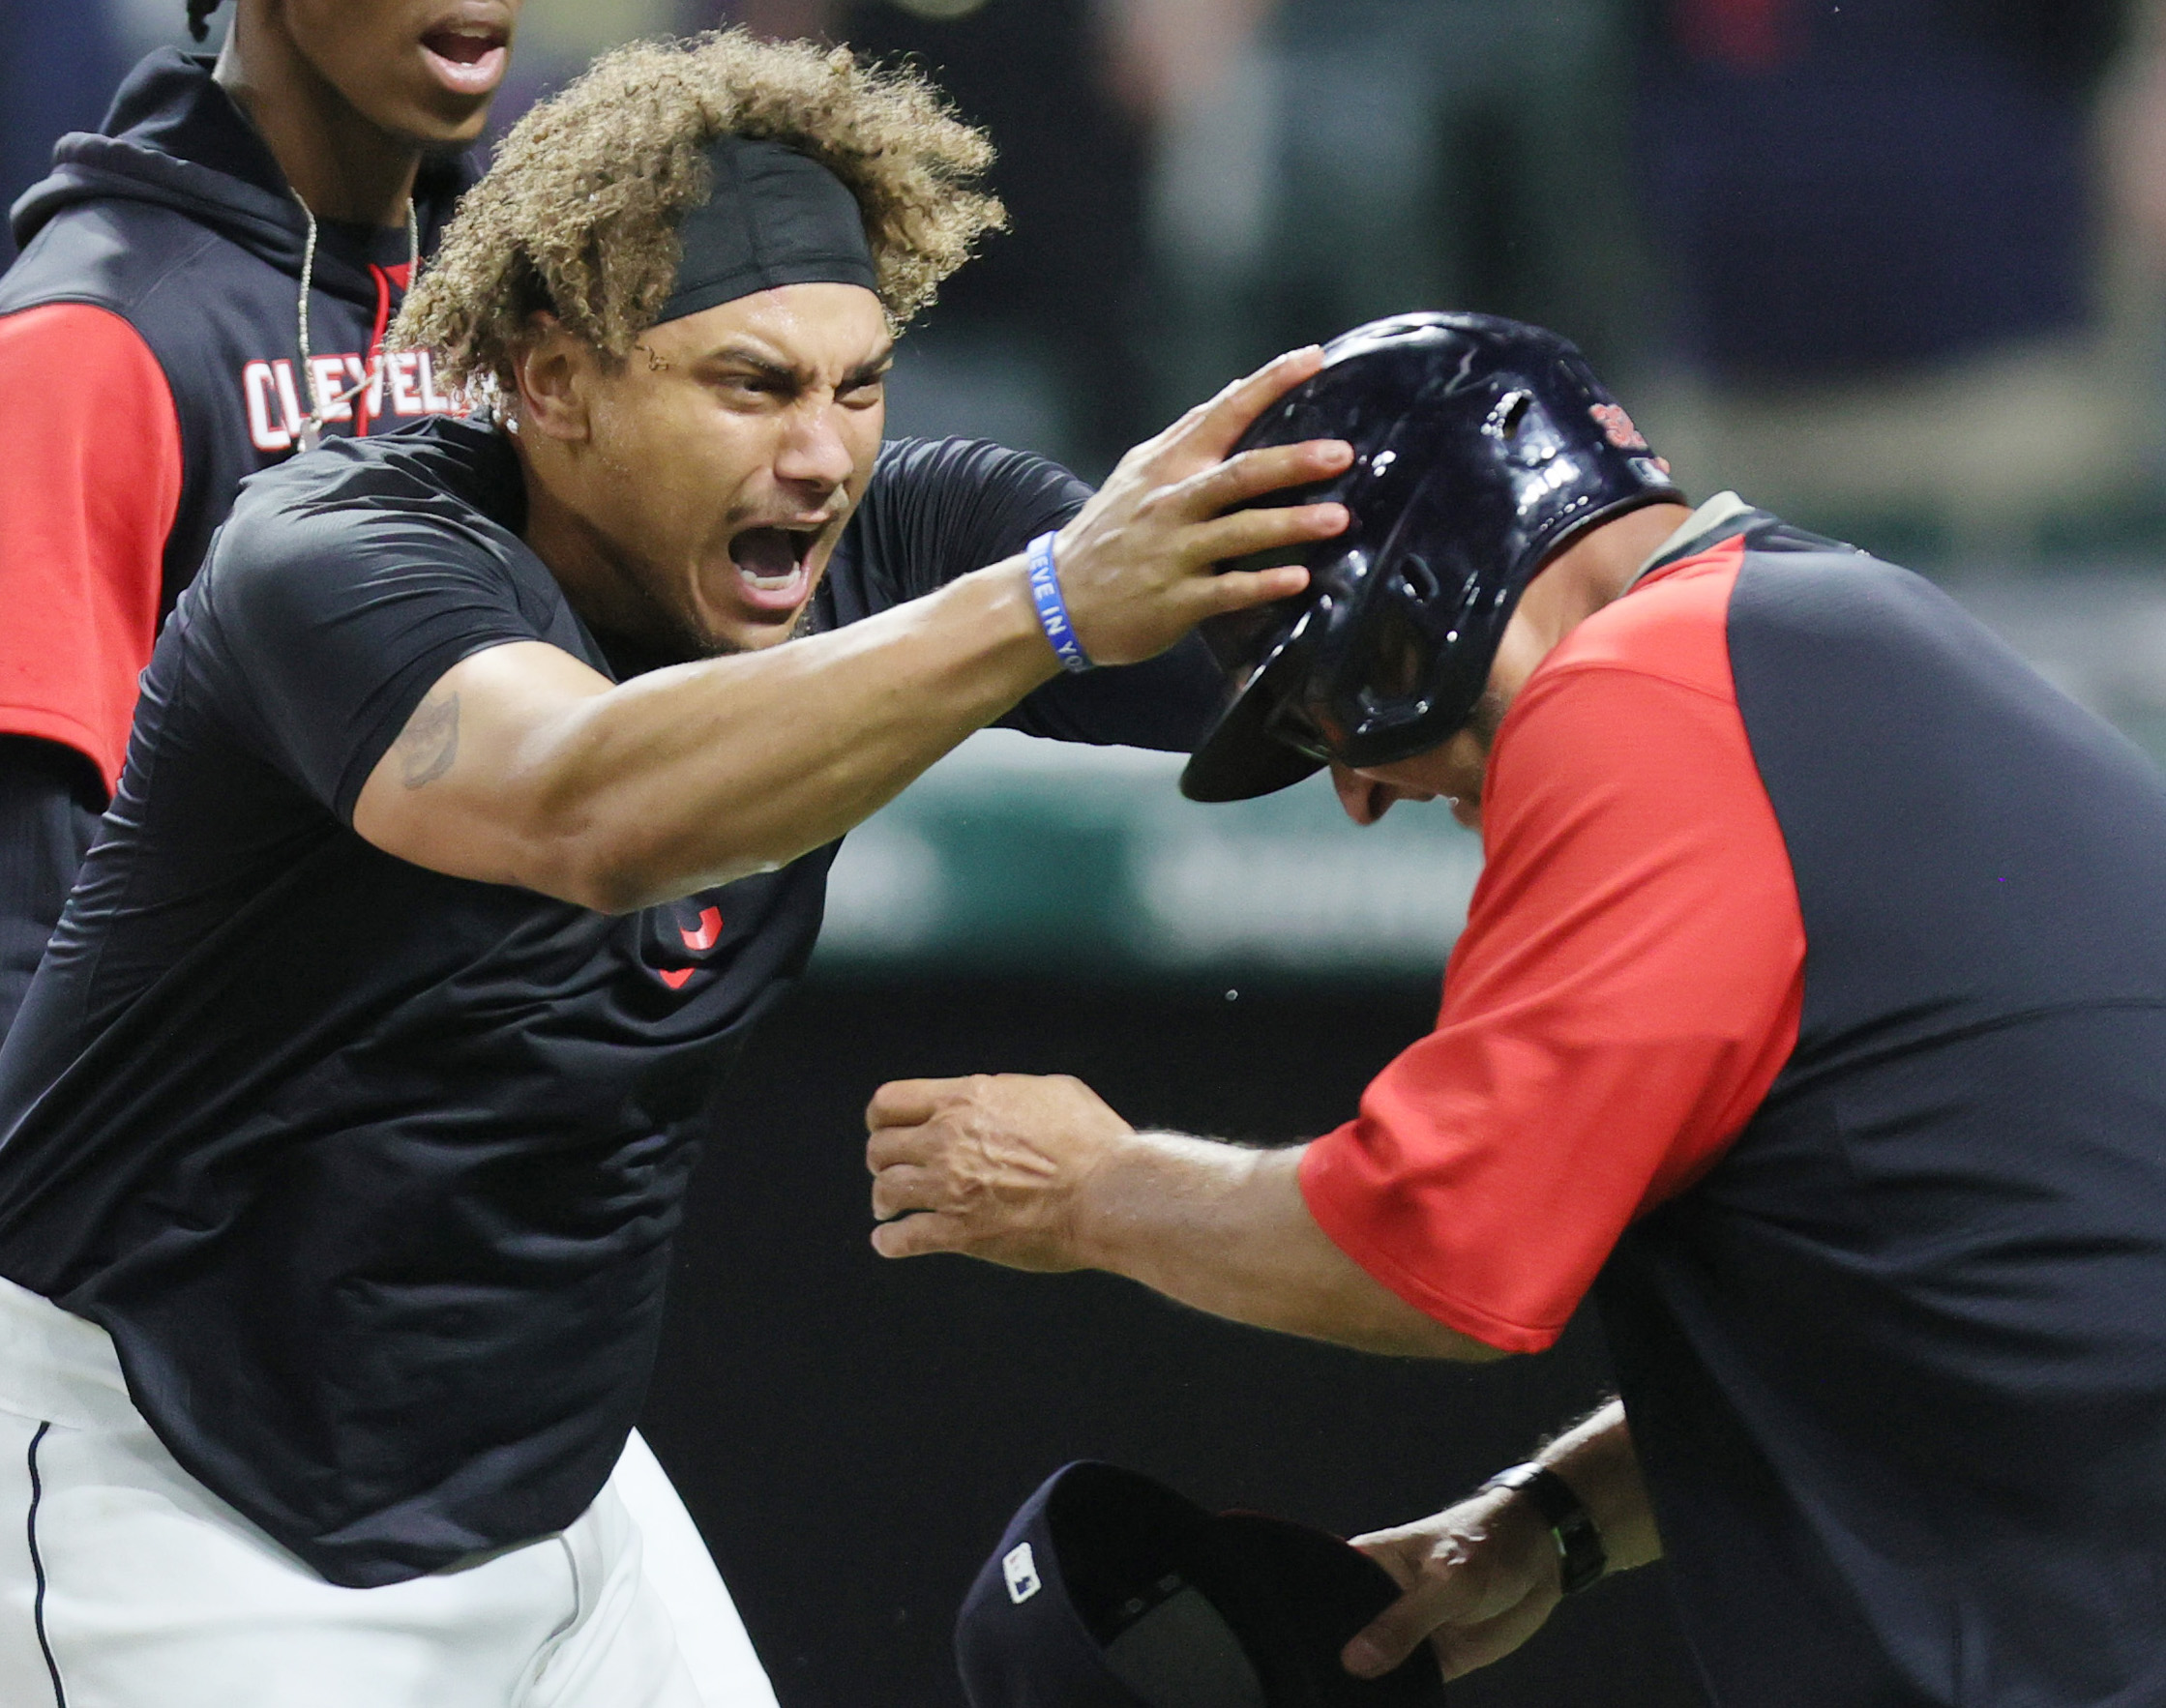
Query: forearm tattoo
point(429, 742)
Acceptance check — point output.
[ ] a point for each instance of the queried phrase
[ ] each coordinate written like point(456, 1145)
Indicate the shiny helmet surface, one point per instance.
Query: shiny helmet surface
point(1482, 448)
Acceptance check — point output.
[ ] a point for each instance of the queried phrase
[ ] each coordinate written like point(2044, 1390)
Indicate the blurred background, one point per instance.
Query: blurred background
point(1893, 268)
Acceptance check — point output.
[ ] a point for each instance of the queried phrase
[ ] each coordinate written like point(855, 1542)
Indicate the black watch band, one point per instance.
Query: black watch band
point(1579, 1557)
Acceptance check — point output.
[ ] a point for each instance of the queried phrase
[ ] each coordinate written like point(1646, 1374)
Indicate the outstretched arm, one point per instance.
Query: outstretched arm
point(1038, 1174)
point(523, 766)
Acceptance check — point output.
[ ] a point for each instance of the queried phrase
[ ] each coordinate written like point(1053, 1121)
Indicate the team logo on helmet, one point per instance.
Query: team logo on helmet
point(1617, 427)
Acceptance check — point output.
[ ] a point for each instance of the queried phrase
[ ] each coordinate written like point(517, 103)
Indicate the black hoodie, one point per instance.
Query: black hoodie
point(150, 362)
point(177, 218)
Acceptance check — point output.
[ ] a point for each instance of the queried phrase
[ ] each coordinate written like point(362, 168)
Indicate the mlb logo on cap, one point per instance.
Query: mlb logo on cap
point(1112, 1591)
point(1020, 1567)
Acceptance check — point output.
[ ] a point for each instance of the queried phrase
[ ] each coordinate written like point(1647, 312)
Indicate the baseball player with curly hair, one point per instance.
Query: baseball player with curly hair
point(474, 812)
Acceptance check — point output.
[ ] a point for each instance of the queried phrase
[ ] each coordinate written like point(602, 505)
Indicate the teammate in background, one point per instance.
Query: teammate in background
point(1811, 1011)
point(473, 813)
point(152, 353)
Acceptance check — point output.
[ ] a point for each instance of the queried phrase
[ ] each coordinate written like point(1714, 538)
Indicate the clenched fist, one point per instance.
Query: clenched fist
point(995, 1166)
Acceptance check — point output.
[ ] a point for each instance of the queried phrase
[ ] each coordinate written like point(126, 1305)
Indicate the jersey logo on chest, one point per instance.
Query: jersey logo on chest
point(698, 939)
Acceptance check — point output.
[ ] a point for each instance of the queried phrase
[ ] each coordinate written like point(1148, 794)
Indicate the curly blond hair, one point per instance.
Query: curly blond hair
point(579, 212)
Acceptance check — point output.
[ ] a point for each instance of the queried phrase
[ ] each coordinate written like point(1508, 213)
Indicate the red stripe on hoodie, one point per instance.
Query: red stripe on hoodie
point(90, 476)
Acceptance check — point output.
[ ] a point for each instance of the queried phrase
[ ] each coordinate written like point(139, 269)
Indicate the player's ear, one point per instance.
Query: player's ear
point(554, 371)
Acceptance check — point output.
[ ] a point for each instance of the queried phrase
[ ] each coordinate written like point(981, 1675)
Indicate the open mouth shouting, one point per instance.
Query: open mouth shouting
point(468, 54)
point(774, 566)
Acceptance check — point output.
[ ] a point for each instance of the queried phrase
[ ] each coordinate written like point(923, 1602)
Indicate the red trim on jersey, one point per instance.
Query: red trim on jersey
point(385, 278)
point(90, 480)
point(1627, 988)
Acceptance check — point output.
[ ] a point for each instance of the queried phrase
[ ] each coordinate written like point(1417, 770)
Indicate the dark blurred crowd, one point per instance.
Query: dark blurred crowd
point(1790, 196)
point(1736, 197)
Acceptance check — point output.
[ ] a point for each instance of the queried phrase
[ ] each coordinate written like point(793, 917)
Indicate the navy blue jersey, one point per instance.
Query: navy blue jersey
point(1896, 1365)
point(371, 1173)
point(1811, 1012)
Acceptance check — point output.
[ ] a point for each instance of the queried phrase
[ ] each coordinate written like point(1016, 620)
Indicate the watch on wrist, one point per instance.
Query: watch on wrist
point(1581, 1560)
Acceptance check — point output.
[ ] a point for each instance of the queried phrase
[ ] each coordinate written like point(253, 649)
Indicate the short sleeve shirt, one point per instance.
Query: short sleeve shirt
point(1627, 987)
point(1820, 971)
point(371, 1173)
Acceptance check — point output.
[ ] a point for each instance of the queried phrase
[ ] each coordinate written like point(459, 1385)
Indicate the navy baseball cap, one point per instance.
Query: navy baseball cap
point(1110, 1591)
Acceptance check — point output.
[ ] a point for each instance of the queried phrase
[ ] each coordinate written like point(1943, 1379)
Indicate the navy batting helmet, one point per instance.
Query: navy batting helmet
point(1482, 448)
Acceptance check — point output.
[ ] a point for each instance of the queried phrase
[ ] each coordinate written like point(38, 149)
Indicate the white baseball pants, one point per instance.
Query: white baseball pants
point(126, 1583)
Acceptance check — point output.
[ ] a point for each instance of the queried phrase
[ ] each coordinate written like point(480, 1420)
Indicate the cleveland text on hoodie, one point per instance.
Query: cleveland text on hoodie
point(150, 361)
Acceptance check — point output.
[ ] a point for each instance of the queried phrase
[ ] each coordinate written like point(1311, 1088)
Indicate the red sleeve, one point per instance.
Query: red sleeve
point(1627, 988)
point(90, 478)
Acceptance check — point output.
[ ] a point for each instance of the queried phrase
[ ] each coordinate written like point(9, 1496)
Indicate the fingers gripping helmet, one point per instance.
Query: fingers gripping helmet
point(1482, 448)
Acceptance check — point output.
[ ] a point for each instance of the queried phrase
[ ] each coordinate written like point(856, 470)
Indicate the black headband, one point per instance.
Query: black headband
point(775, 217)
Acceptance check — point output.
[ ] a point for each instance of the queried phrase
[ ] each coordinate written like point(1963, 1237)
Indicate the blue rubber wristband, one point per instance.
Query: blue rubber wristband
point(1053, 610)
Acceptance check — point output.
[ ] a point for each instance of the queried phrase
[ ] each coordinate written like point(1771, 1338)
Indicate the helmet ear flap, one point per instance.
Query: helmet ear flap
point(1412, 663)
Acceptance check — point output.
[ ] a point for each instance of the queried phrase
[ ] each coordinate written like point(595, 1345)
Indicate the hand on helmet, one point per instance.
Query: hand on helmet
point(1138, 564)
